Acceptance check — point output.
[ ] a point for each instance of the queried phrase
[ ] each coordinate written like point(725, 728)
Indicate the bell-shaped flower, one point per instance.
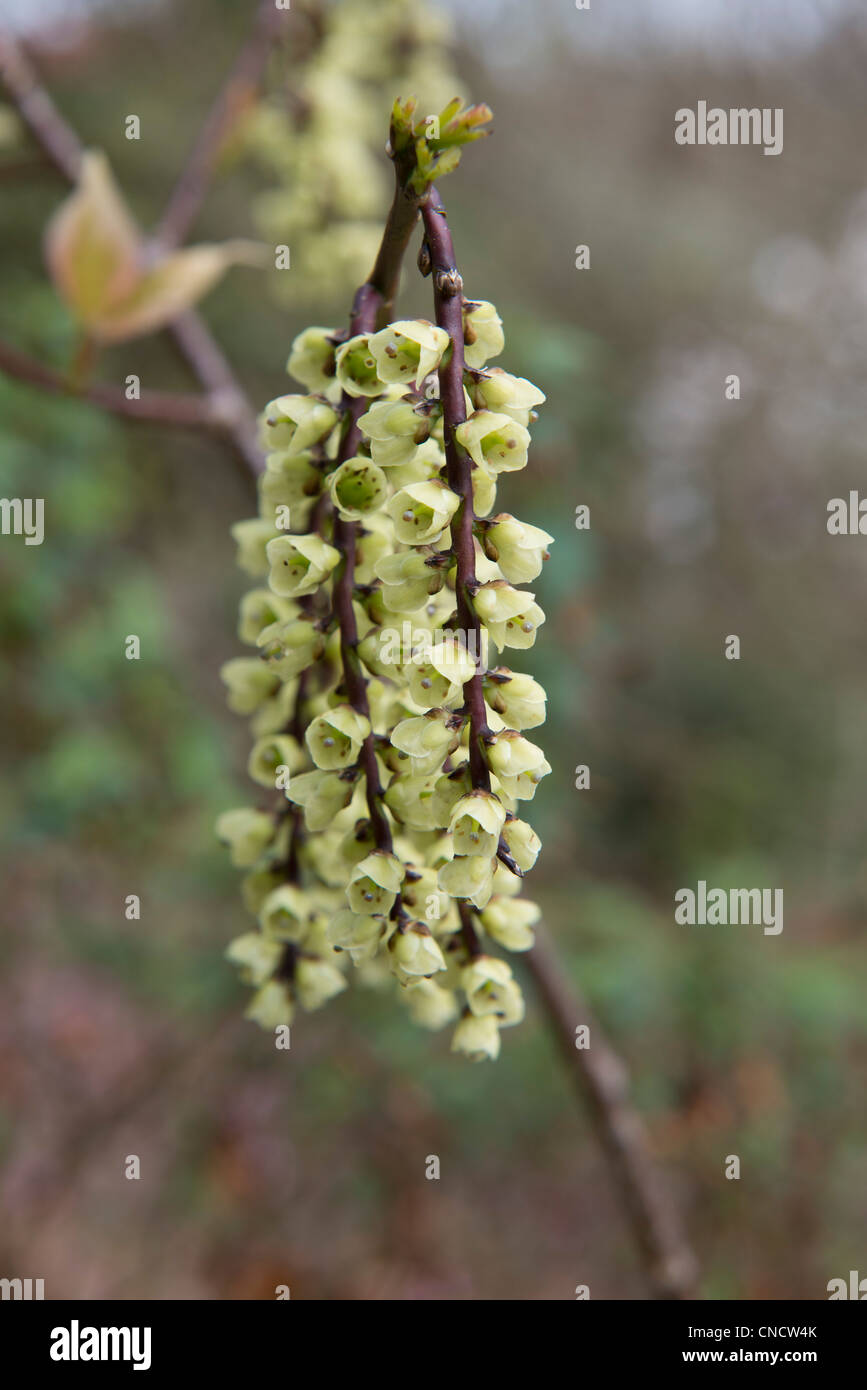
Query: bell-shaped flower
point(317, 981)
point(289, 481)
point(374, 884)
point(511, 395)
point(248, 834)
point(357, 487)
point(359, 937)
point(484, 484)
point(249, 683)
point(511, 616)
point(483, 333)
point(271, 1006)
point(272, 753)
point(422, 511)
point(414, 952)
point(407, 580)
point(356, 367)
point(311, 359)
point(523, 843)
point(490, 989)
point(469, 876)
point(429, 1005)
point(477, 1038)
point(251, 538)
point(476, 822)
point(285, 914)
point(494, 441)
point(259, 608)
point(322, 795)
point(294, 424)
point(395, 429)
point(517, 548)
point(517, 698)
point(299, 564)
point(439, 670)
point(288, 648)
point(510, 922)
point(427, 740)
point(408, 350)
point(335, 738)
point(518, 764)
point(256, 957)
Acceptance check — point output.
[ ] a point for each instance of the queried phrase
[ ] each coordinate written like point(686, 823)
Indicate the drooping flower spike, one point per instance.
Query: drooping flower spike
point(394, 844)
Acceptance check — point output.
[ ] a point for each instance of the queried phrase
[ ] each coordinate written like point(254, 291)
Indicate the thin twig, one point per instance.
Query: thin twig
point(202, 354)
point(153, 407)
point(239, 88)
point(603, 1080)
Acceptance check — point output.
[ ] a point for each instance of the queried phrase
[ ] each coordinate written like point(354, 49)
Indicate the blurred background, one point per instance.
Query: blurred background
point(708, 518)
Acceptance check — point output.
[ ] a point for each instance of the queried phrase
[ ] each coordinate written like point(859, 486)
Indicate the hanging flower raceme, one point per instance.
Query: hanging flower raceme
point(393, 843)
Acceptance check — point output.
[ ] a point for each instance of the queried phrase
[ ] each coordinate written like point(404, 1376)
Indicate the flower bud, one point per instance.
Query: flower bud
point(421, 511)
point(490, 989)
point(517, 548)
point(357, 487)
point(476, 822)
point(494, 441)
point(334, 739)
point(296, 423)
point(523, 844)
point(509, 922)
point(408, 350)
point(247, 833)
point(249, 682)
point(374, 884)
point(256, 956)
point(477, 1038)
point(356, 367)
point(311, 360)
point(519, 700)
point(299, 564)
point(483, 333)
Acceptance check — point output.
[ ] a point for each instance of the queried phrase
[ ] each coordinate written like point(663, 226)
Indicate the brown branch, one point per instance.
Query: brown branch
point(448, 302)
point(604, 1082)
point(239, 88)
point(152, 407)
point(197, 346)
point(371, 309)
